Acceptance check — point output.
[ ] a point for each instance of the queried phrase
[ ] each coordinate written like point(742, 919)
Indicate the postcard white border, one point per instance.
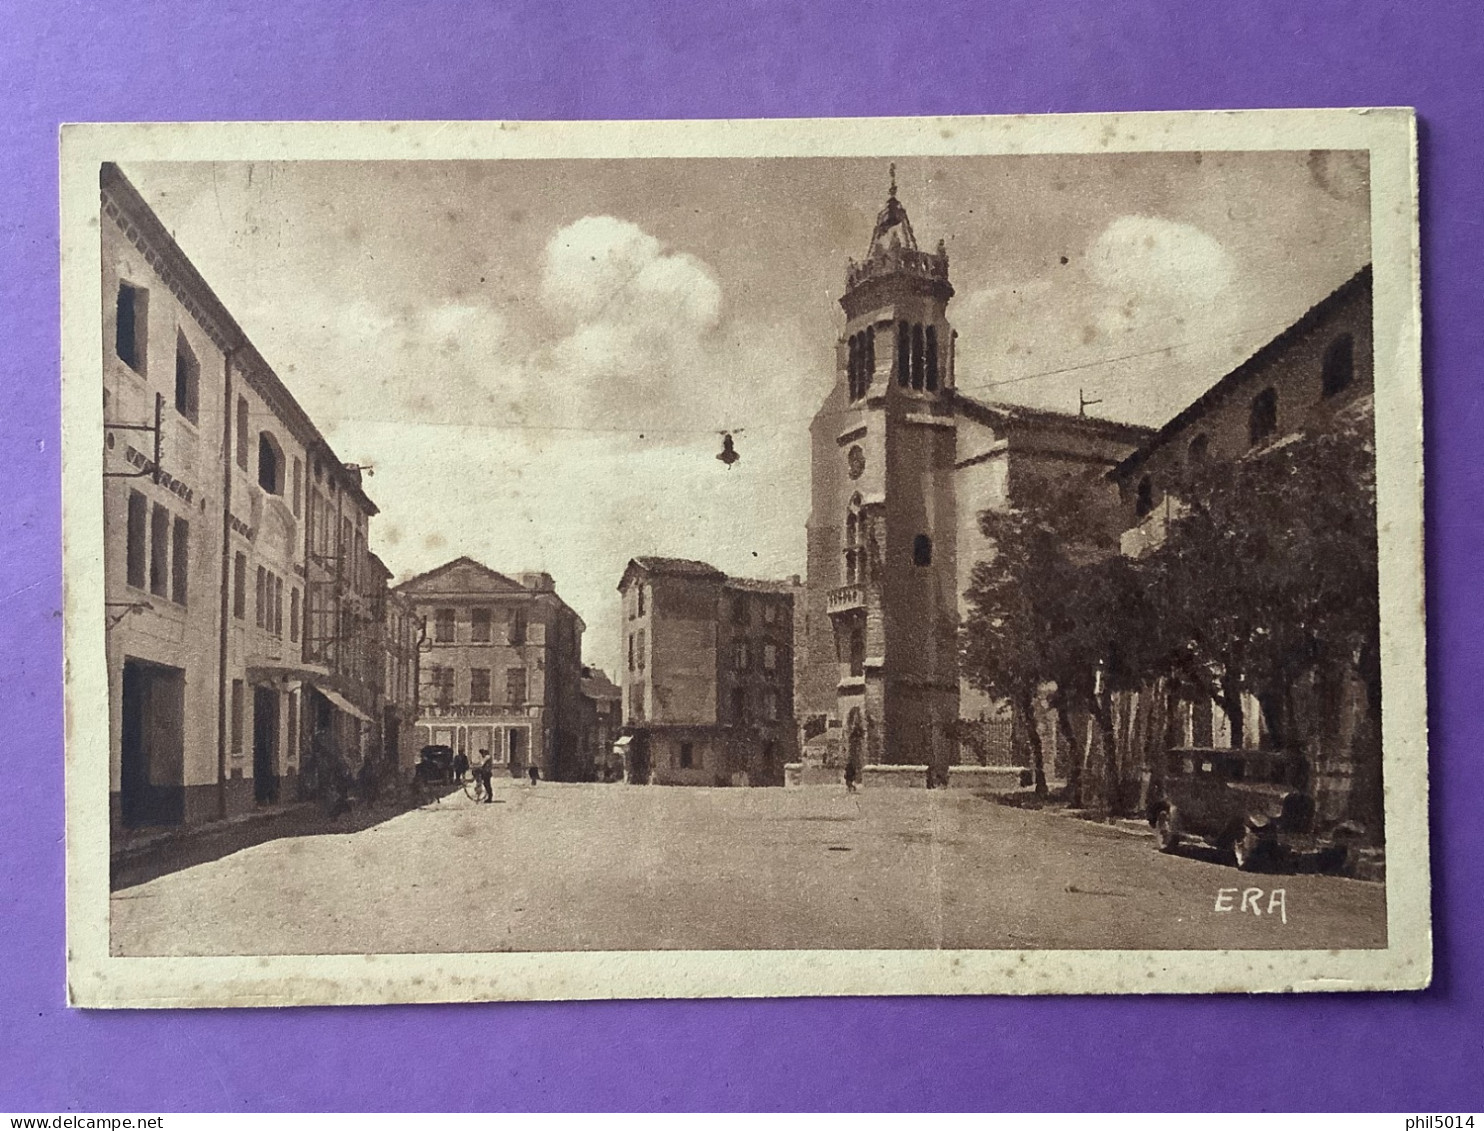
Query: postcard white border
point(96, 979)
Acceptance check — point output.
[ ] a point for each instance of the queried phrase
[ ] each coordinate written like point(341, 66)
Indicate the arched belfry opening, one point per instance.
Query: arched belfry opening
point(861, 362)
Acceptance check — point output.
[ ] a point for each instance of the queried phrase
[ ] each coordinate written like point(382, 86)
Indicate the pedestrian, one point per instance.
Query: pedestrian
point(368, 780)
point(534, 772)
point(484, 774)
point(337, 786)
point(461, 766)
point(852, 771)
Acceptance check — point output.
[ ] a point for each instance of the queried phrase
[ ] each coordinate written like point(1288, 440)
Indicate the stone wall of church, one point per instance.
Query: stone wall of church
point(919, 583)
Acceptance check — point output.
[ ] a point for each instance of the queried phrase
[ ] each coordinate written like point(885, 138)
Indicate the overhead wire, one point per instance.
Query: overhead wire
point(754, 425)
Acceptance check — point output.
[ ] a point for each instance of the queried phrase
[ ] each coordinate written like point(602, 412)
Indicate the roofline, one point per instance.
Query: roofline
point(1227, 382)
point(1000, 411)
point(219, 323)
point(762, 585)
point(455, 561)
point(519, 590)
point(637, 563)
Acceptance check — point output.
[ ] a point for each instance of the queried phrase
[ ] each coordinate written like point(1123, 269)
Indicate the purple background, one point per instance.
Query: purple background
point(280, 59)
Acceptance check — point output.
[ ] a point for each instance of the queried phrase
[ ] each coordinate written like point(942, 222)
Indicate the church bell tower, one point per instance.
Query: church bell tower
point(882, 568)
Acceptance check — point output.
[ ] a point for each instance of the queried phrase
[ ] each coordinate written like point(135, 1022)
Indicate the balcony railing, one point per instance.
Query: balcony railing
point(845, 598)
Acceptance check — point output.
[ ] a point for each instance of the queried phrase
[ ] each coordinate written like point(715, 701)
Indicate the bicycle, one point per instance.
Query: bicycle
point(475, 789)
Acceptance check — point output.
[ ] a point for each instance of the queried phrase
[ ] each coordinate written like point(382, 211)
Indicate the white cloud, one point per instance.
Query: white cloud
point(1148, 255)
point(1147, 297)
point(527, 453)
point(1156, 276)
point(640, 326)
point(601, 269)
point(448, 325)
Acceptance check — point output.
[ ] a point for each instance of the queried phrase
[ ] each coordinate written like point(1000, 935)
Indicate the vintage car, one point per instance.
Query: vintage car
point(1252, 805)
point(435, 764)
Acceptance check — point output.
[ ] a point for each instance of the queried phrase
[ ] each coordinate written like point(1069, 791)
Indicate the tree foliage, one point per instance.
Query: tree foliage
point(1267, 576)
point(1269, 572)
point(1025, 626)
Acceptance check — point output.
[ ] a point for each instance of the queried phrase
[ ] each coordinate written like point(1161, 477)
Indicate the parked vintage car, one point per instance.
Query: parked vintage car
point(1253, 805)
point(435, 764)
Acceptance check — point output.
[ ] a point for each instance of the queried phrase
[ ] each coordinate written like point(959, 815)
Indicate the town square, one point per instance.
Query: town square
point(779, 554)
point(581, 867)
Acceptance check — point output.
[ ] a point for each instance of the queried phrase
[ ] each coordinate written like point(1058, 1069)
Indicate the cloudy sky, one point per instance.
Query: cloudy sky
point(538, 357)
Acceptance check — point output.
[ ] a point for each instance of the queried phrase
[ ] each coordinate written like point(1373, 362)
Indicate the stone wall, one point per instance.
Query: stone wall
point(894, 777)
point(999, 779)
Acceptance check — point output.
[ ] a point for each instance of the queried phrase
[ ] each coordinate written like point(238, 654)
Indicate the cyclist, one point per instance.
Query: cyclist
point(484, 772)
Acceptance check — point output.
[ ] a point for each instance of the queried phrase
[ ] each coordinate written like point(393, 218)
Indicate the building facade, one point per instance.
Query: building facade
point(1303, 382)
point(902, 464)
point(602, 705)
point(502, 669)
point(1317, 368)
point(400, 636)
point(208, 513)
point(708, 677)
point(165, 376)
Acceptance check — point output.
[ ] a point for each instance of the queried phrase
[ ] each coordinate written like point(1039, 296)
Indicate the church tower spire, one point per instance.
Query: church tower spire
point(898, 282)
point(882, 532)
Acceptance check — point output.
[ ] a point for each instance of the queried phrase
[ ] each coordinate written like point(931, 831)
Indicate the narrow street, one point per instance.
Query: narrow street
point(610, 867)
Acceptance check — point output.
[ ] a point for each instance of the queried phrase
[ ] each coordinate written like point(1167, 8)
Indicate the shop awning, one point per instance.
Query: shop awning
point(623, 742)
point(274, 673)
point(344, 704)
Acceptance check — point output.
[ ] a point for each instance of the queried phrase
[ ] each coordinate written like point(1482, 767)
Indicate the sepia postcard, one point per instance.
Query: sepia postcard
point(520, 561)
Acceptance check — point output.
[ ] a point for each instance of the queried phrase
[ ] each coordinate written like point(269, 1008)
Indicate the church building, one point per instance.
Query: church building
point(901, 466)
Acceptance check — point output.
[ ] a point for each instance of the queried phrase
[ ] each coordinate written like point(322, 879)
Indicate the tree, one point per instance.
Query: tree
point(1267, 579)
point(1107, 632)
point(1028, 625)
point(1268, 576)
point(1001, 644)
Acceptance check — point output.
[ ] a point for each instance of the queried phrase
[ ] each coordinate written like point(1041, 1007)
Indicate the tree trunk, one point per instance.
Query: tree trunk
point(1231, 703)
point(1155, 733)
point(1161, 711)
point(1074, 756)
point(1280, 711)
point(1102, 711)
point(1174, 730)
point(1273, 719)
point(1022, 706)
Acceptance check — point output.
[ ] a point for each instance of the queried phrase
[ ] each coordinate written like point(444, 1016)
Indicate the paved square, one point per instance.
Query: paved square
point(613, 867)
